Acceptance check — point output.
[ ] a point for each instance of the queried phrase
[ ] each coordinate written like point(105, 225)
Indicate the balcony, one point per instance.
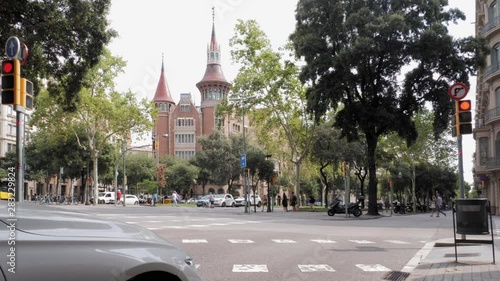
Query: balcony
point(493, 163)
point(491, 115)
point(491, 72)
point(490, 26)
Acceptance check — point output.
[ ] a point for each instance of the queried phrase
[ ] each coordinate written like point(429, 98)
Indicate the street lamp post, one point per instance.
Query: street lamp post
point(243, 162)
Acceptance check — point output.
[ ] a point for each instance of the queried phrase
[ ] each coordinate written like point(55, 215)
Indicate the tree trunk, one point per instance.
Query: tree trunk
point(297, 180)
point(372, 175)
point(95, 182)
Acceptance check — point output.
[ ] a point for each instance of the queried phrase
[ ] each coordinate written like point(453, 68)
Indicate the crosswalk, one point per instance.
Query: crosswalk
point(289, 241)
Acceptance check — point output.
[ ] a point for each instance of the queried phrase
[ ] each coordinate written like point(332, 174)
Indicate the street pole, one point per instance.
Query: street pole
point(124, 175)
point(243, 166)
point(460, 167)
point(19, 195)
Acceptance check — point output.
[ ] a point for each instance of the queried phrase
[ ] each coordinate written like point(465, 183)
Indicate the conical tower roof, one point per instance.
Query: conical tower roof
point(162, 93)
point(213, 72)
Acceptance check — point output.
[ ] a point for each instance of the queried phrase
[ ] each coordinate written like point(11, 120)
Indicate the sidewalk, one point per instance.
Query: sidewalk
point(475, 261)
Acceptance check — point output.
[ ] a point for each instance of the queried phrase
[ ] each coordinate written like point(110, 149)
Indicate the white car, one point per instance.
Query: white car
point(255, 200)
point(130, 200)
point(106, 197)
point(224, 200)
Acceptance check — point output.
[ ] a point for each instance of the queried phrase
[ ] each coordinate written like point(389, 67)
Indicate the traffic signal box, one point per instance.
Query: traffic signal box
point(11, 82)
point(26, 94)
point(462, 120)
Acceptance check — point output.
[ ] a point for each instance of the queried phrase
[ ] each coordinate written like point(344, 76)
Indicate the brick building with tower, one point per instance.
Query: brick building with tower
point(178, 127)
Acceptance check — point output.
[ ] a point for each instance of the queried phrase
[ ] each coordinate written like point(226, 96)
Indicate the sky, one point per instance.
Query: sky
point(180, 31)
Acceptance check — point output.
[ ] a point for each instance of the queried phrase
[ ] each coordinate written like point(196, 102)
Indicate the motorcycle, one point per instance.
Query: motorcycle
point(400, 208)
point(336, 208)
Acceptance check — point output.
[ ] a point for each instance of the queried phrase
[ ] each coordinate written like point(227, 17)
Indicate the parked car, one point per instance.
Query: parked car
point(130, 199)
point(224, 200)
point(205, 200)
point(239, 201)
point(86, 249)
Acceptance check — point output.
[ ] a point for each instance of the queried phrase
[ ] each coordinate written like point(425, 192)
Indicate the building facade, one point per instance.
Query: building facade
point(487, 112)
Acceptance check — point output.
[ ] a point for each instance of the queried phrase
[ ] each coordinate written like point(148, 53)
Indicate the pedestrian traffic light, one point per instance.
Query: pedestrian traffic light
point(26, 94)
point(11, 82)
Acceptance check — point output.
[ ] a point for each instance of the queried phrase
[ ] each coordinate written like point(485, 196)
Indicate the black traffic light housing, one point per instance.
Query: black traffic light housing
point(462, 120)
point(11, 82)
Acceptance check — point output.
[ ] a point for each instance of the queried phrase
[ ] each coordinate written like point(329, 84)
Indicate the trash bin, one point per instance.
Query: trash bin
point(472, 216)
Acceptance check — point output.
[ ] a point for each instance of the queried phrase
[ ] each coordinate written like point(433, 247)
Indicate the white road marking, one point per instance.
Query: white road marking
point(419, 256)
point(362, 241)
point(323, 241)
point(283, 241)
point(197, 225)
point(221, 224)
point(194, 241)
point(372, 267)
point(240, 241)
point(174, 226)
point(397, 242)
point(153, 228)
point(315, 267)
point(250, 268)
point(152, 221)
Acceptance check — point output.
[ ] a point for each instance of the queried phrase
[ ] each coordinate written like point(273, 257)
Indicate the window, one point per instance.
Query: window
point(497, 145)
point(184, 138)
point(185, 155)
point(493, 12)
point(11, 147)
point(497, 97)
point(495, 56)
point(185, 108)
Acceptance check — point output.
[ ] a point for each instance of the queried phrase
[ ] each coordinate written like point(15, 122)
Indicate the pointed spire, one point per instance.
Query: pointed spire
point(162, 93)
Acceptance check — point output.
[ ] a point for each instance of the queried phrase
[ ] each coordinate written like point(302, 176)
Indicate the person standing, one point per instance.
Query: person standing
point(174, 199)
point(264, 203)
point(284, 202)
point(119, 196)
point(278, 200)
point(439, 205)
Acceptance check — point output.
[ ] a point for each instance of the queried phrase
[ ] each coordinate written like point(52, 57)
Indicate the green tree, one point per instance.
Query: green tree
point(103, 114)
point(66, 39)
point(355, 51)
point(273, 78)
point(139, 167)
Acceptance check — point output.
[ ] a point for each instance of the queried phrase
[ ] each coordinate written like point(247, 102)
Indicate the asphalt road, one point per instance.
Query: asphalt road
point(227, 244)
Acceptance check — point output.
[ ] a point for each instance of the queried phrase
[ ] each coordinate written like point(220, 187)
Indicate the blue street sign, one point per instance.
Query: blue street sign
point(243, 160)
point(12, 47)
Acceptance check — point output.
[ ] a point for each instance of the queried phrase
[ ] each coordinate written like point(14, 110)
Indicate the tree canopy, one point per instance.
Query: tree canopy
point(355, 52)
point(65, 39)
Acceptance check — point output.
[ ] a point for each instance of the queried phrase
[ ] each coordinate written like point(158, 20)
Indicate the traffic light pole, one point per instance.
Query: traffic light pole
point(19, 196)
point(460, 167)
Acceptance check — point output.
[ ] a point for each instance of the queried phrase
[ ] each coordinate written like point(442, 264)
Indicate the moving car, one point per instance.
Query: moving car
point(59, 246)
point(130, 199)
point(205, 200)
point(106, 197)
point(224, 200)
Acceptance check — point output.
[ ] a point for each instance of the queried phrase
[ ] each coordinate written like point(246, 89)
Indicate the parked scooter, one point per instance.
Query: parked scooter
point(336, 208)
point(399, 208)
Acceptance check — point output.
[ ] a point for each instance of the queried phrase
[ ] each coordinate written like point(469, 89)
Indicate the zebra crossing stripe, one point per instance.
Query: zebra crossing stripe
point(397, 241)
point(362, 241)
point(194, 241)
point(283, 241)
point(240, 241)
point(372, 267)
point(250, 268)
point(323, 241)
point(315, 267)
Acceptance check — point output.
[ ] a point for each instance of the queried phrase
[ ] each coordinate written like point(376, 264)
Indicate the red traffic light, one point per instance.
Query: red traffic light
point(7, 67)
point(464, 105)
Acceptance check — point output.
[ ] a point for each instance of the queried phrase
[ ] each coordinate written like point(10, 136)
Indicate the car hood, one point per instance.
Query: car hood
point(71, 224)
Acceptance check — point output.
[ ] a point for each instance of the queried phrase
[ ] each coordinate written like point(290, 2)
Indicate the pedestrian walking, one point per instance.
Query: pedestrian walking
point(311, 202)
point(294, 202)
point(284, 202)
point(155, 199)
point(278, 200)
point(439, 205)
point(264, 203)
point(433, 206)
point(174, 199)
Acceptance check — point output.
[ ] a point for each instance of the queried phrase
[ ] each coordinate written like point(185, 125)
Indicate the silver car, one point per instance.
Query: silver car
point(47, 244)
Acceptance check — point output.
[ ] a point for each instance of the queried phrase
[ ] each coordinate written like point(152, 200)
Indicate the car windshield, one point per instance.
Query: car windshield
point(101, 194)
